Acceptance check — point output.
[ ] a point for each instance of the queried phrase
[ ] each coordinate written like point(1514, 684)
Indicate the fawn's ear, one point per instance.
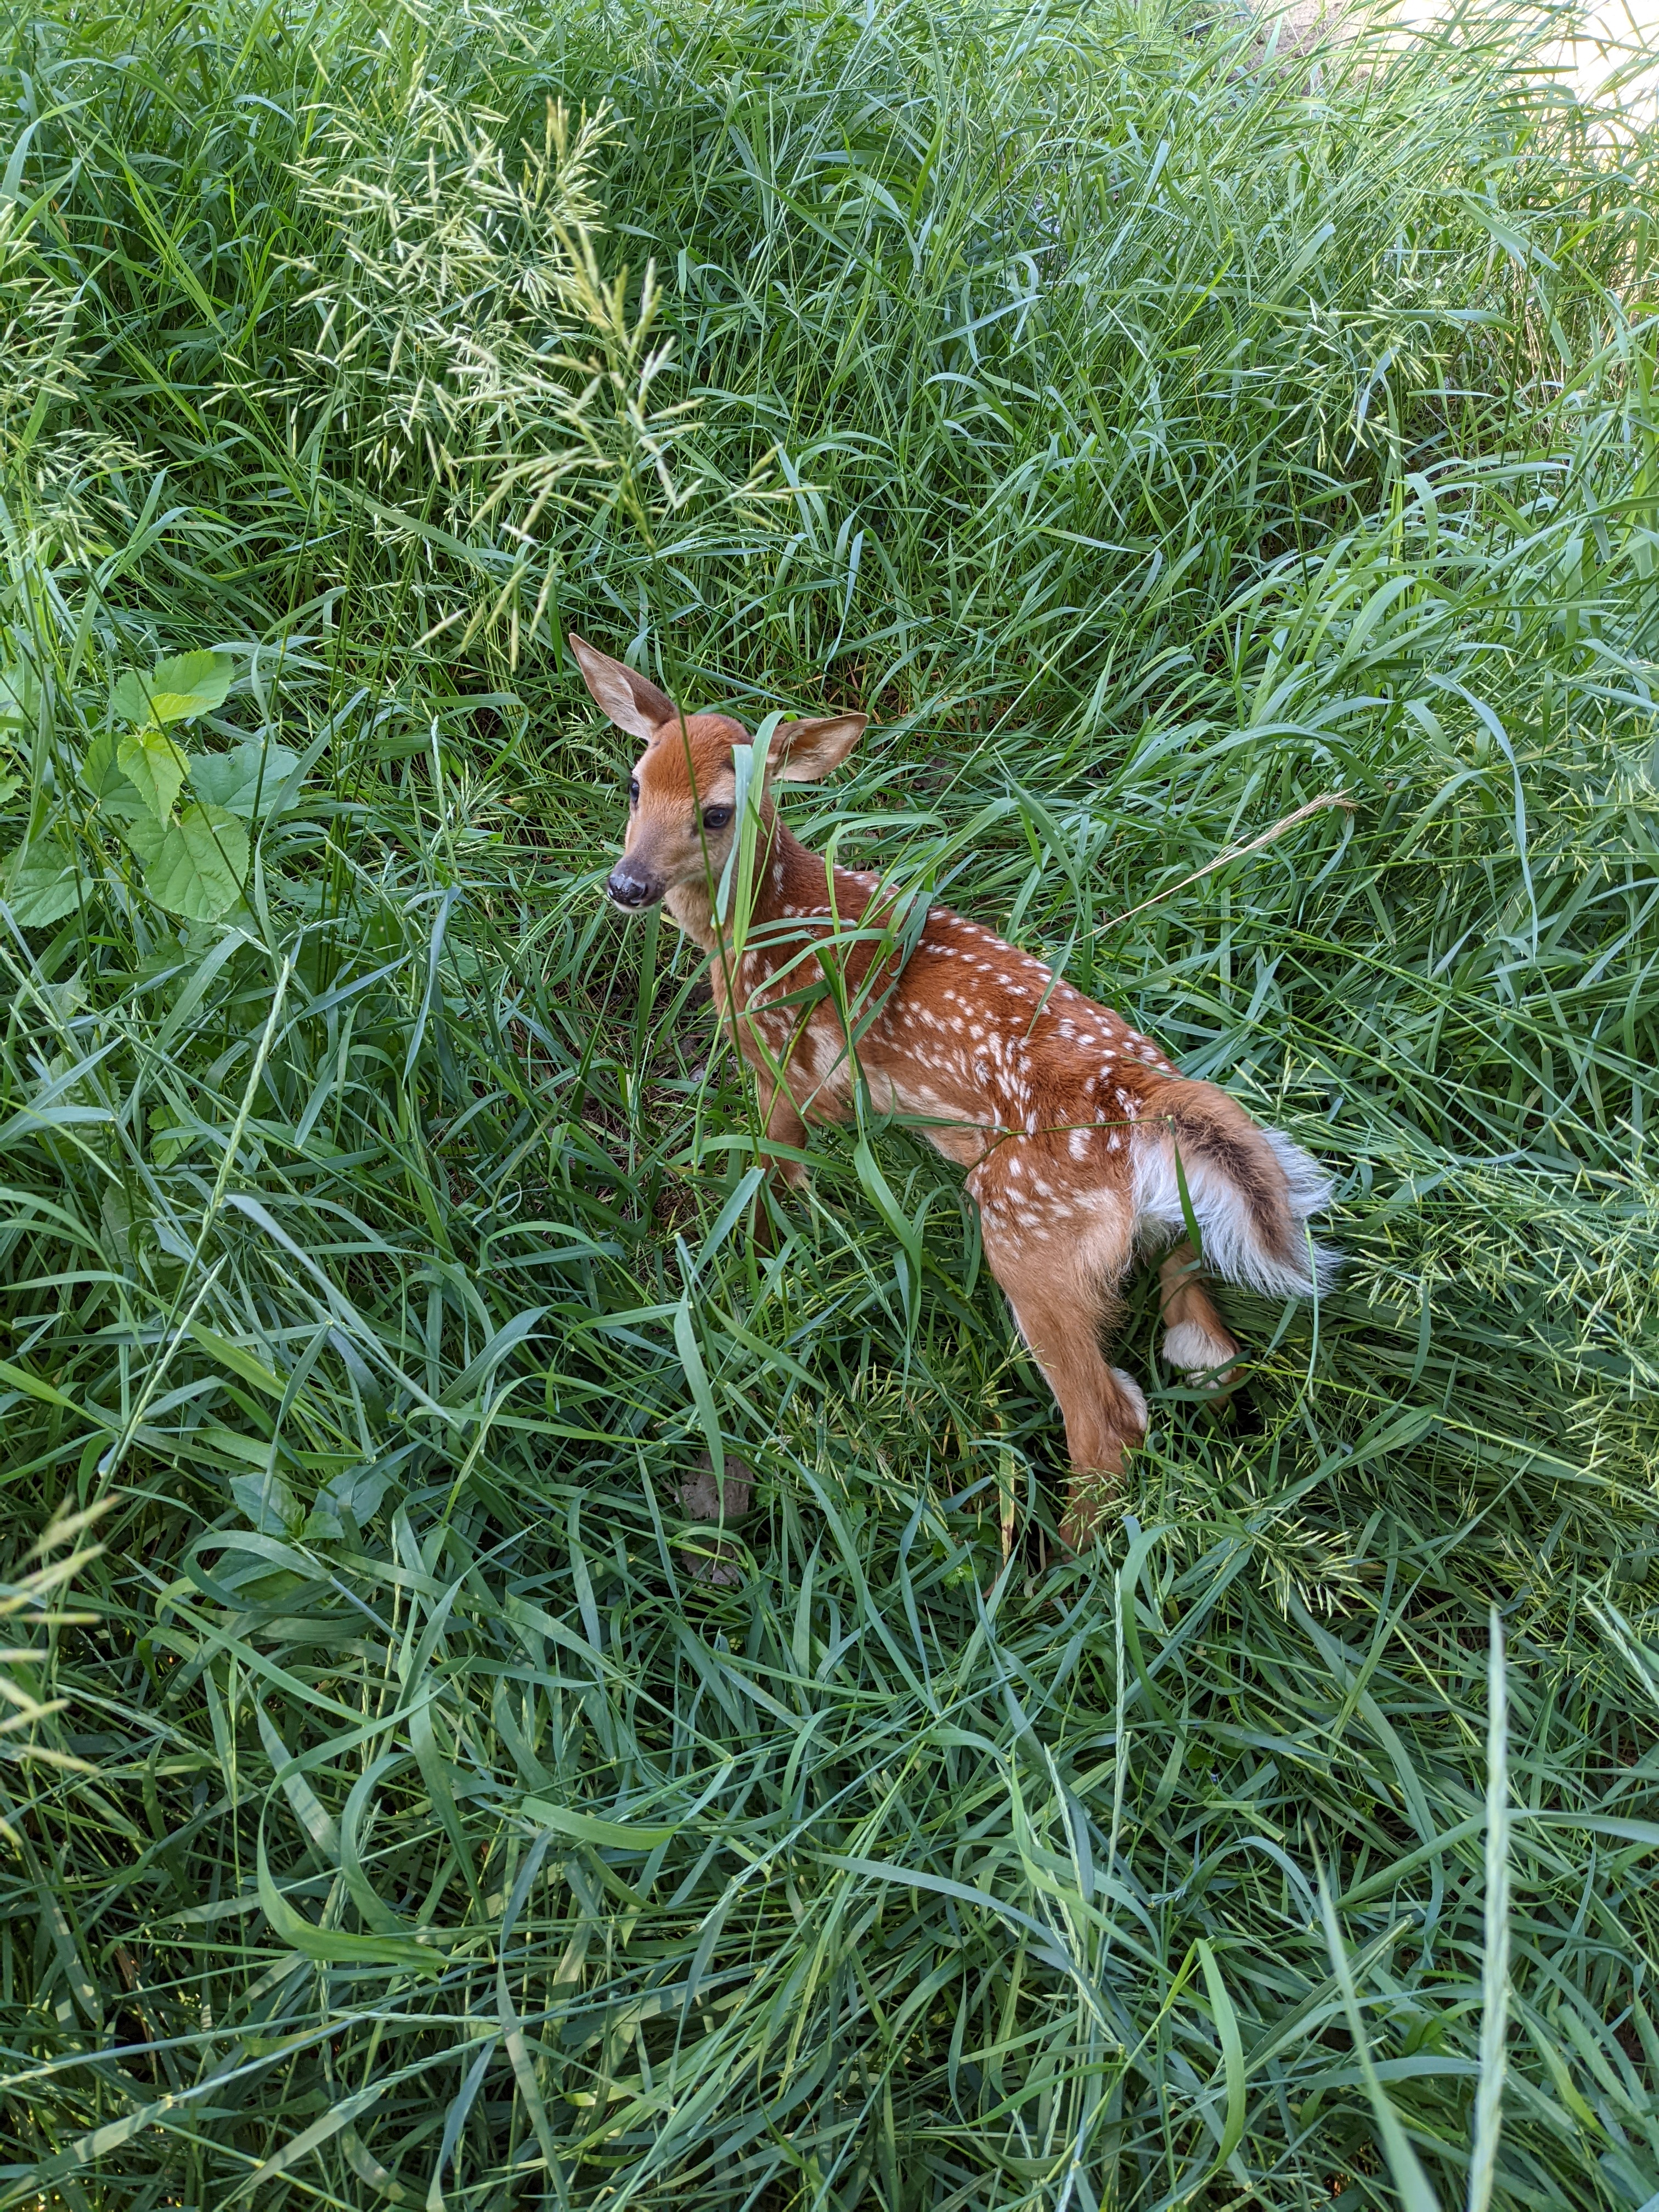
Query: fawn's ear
point(801, 752)
point(632, 701)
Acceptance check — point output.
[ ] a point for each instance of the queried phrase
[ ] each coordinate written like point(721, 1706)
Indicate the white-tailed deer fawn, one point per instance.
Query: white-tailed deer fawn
point(1083, 1143)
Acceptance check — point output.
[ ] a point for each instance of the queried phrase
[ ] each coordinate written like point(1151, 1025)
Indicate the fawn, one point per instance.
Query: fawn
point(1082, 1142)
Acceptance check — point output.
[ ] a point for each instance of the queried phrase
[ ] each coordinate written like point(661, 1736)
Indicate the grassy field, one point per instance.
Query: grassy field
point(1156, 431)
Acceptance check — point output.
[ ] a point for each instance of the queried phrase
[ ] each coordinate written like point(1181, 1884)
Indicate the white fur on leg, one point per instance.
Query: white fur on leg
point(1187, 1346)
point(1133, 1392)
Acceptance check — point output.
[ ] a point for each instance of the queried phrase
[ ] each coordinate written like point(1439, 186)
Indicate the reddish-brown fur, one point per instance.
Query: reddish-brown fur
point(1065, 1116)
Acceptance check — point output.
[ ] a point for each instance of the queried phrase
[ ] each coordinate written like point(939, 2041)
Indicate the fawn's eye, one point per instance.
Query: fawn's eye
point(633, 791)
point(716, 817)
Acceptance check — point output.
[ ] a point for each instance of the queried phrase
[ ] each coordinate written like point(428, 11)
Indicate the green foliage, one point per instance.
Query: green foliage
point(193, 867)
point(1158, 430)
point(176, 690)
point(154, 769)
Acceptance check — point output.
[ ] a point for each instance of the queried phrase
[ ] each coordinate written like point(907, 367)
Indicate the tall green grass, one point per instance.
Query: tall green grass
point(1156, 426)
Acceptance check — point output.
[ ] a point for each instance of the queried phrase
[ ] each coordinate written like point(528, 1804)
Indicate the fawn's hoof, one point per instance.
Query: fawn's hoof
point(1091, 1504)
point(1092, 1494)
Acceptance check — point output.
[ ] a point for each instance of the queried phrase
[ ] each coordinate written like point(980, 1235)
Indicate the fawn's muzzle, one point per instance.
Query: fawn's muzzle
point(627, 887)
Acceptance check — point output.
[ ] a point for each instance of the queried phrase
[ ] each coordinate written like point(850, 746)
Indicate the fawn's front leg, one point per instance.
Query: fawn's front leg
point(783, 1127)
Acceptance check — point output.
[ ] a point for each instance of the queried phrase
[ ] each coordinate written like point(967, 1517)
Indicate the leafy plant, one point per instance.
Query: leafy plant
point(194, 862)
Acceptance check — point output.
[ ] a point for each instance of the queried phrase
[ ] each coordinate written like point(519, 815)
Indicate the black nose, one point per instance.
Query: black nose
point(626, 887)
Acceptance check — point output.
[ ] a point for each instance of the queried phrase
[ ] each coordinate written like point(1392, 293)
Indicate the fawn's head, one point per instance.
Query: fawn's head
point(681, 796)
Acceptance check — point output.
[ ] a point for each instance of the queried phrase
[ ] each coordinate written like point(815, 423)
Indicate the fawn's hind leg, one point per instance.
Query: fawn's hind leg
point(1061, 1281)
point(1196, 1339)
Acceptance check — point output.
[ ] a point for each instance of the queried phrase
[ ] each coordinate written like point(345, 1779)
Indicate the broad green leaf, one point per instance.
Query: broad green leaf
point(356, 1490)
point(246, 780)
point(9, 785)
point(145, 834)
point(187, 685)
point(269, 1504)
point(101, 774)
point(154, 766)
point(42, 885)
point(20, 697)
point(196, 868)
